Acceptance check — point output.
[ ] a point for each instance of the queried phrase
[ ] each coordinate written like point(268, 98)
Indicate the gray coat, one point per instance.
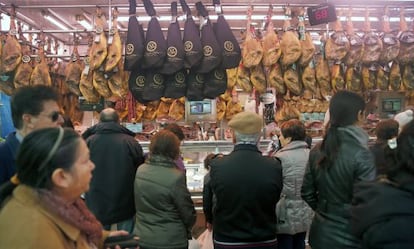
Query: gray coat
point(293, 214)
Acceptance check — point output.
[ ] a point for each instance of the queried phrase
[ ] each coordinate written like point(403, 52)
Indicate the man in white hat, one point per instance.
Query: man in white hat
point(247, 186)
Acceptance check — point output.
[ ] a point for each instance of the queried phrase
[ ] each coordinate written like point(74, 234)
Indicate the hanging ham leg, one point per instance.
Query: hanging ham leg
point(271, 43)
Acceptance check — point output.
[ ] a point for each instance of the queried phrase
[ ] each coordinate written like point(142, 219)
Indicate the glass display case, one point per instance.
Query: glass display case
point(193, 153)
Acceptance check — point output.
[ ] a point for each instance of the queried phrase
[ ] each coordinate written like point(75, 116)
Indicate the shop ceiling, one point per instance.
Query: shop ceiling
point(70, 12)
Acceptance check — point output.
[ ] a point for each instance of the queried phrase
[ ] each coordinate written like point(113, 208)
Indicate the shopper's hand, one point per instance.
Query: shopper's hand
point(120, 233)
point(117, 233)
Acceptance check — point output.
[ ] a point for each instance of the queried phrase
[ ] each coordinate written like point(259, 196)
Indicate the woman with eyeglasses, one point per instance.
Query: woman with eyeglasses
point(41, 207)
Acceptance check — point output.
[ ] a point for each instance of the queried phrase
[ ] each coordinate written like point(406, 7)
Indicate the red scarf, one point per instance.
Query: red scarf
point(76, 214)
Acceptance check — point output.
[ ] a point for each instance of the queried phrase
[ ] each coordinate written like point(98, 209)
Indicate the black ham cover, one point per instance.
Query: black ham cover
point(136, 85)
point(231, 52)
point(216, 83)
point(134, 45)
point(195, 86)
point(211, 47)
point(155, 44)
point(174, 60)
point(175, 85)
point(154, 86)
point(191, 40)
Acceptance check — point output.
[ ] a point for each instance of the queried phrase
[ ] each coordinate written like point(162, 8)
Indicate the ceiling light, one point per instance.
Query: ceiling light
point(212, 17)
point(54, 21)
point(82, 21)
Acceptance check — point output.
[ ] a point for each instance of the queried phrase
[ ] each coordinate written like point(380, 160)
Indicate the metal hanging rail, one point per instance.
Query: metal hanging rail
point(298, 3)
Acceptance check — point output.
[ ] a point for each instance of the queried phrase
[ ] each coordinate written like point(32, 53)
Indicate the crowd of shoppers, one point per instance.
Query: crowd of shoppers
point(342, 191)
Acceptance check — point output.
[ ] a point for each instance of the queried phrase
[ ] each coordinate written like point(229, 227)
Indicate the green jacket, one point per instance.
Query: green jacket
point(329, 191)
point(165, 211)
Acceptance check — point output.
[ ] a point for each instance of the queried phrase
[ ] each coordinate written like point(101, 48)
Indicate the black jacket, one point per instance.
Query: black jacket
point(247, 186)
point(329, 191)
point(383, 213)
point(117, 155)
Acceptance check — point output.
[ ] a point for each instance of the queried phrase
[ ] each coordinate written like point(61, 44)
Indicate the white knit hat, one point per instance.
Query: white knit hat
point(404, 117)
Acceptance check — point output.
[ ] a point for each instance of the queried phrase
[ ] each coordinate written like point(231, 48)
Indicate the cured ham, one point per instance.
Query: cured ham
point(115, 44)
point(99, 49)
point(271, 43)
point(11, 55)
point(40, 74)
point(372, 43)
point(356, 43)
point(308, 48)
point(73, 72)
point(24, 69)
point(252, 52)
point(406, 37)
point(290, 44)
point(337, 45)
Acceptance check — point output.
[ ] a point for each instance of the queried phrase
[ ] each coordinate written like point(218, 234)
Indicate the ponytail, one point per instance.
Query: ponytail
point(329, 147)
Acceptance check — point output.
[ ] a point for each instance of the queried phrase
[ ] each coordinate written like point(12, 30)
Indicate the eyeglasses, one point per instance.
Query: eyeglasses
point(54, 116)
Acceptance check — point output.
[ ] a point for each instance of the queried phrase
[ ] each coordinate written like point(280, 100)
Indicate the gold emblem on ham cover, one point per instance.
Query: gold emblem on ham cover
point(129, 48)
point(180, 78)
point(172, 51)
point(188, 46)
point(158, 79)
point(140, 80)
point(228, 46)
point(208, 50)
point(151, 46)
point(218, 74)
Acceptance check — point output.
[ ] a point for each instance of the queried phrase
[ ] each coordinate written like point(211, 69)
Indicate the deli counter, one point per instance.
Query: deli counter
point(193, 153)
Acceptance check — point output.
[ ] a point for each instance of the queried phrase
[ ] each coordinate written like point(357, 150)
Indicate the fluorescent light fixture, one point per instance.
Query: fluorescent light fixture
point(85, 24)
point(56, 22)
point(81, 19)
point(371, 19)
point(5, 24)
point(212, 17)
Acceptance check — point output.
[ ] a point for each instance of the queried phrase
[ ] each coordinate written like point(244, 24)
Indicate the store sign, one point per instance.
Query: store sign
point(323, 13)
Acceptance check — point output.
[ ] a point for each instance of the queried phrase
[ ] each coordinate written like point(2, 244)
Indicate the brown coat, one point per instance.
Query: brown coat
point(24, 223)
